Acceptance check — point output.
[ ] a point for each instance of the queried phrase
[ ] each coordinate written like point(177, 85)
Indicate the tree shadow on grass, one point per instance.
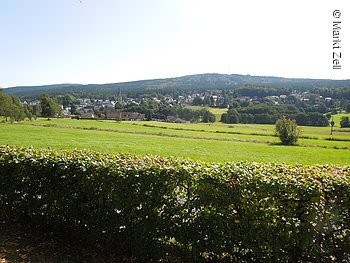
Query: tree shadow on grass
point(281, 144)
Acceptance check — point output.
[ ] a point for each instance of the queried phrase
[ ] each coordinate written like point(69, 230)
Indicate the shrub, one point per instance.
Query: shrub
point(178, 210)
point(230, 117)
point(344, 122)
point(287, 130)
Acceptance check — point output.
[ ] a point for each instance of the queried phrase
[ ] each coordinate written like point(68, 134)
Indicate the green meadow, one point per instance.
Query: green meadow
point(208, 142)
point(216, 111)
point(338, 117)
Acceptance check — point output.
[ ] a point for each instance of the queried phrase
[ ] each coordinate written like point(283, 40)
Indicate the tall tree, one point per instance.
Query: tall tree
point(10, 107)
point(35, 111)
point(17, 110)
point(49, 107)
point(207, 116)
point(231, 116)
point(5, 105)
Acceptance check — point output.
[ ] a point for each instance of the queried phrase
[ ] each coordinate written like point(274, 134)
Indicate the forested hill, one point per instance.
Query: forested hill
point(186, 83)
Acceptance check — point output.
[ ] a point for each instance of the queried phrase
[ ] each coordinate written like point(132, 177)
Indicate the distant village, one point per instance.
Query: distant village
point(88, 108)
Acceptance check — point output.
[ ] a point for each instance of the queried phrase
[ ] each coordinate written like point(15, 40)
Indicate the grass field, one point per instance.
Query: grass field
point(338, 117)
point(208, 142)
point(216, 111)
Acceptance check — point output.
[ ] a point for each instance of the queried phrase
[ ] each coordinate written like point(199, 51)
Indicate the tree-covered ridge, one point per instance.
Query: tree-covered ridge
point(244, 84)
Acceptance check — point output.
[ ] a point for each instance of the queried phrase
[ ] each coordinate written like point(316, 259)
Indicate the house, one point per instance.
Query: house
point(108, 104)
point(169, 99)
point(132, 116)
point(175, 119)
point(113, 115)
point(87, 115)
point(66, 111)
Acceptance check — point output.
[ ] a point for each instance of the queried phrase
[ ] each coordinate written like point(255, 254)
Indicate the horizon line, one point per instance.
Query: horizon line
point(189, 75)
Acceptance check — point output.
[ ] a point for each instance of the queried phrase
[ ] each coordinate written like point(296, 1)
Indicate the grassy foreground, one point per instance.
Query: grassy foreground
point(213, 143)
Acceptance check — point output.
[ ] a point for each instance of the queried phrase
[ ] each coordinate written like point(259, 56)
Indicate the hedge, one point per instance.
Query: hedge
point(178, 210)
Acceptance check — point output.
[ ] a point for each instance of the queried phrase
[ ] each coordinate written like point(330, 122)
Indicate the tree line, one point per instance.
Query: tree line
point(12, 110)
point(268, 114)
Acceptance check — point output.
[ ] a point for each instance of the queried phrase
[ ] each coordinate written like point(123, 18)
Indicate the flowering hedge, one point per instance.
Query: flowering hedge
point(170, 209)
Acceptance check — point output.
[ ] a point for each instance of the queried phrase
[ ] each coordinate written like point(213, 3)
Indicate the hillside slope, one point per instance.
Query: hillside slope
point(191, 82)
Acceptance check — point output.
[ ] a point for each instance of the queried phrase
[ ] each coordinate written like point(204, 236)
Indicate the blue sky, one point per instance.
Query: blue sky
point(106, 41)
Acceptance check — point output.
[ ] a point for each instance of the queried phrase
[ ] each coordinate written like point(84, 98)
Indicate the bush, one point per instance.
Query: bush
point(344, 122)
point(287, 130)
point(178, 210)
point(231, 117)
point(317, 119)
